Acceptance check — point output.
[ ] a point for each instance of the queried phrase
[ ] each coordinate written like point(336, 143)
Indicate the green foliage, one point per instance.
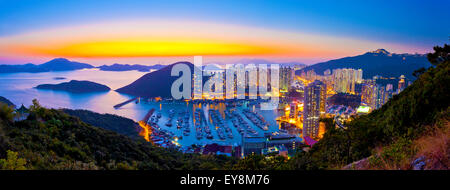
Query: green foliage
point(12, 162)
point(6, 112)
point(418, 72)
point(441, 54)
point(393, 156)
point(259, 162)
point(111, 122)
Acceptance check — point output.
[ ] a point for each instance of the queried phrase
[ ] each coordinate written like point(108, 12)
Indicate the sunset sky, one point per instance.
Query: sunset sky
point(150, 32)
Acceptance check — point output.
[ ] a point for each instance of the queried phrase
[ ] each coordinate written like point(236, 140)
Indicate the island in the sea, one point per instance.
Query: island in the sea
point(76, 86)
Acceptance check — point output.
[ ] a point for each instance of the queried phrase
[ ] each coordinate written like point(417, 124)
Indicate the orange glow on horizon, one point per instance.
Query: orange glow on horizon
point(151, 49)
point(148, 38)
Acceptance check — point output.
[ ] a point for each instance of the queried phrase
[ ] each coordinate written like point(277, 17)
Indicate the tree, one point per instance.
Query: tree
point(419, 72)
point(6, 112)
point(35, 105)
point(441, 54)
point(12, 162)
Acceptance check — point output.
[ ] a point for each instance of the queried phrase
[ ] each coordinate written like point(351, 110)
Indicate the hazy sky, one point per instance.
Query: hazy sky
point(146, 32)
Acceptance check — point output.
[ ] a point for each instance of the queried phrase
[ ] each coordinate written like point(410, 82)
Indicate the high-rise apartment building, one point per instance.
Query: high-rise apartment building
point(346, 79)
point(312, 105)
point(286, 78)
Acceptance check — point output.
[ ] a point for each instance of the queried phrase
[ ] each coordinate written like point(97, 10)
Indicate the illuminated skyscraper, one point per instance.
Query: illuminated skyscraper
point(345, 80)
point(368, 94)
point(375, 95)
point(311, 110)
point(293, 112)
point(286, 78)
point(380, 94)
point(323, 96)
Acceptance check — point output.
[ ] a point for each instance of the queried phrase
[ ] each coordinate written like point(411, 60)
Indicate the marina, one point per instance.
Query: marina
point(208, 122)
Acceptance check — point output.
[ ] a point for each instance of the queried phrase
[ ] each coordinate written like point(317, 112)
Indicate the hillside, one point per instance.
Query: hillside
point(59, 64)
point(379, 62)
point(420, 109)
point(6, 101)
point(111, 122)
point(154, 84)
point(75, 86)
point(50, 139)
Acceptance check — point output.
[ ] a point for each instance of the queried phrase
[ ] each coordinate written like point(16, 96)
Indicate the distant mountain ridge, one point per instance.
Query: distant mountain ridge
point(127, 67)
point(378, 62)
point(76, 86)
point(58, 64)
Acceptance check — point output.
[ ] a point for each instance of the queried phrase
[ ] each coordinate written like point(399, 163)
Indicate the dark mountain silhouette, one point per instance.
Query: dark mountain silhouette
point(127, 67)
point(379, 62)
point(59, 64)
point(154, 84)
point(75, 86)
point(6, 101)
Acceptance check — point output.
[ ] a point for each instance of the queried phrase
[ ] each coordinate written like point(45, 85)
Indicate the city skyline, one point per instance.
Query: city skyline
point(224, 85)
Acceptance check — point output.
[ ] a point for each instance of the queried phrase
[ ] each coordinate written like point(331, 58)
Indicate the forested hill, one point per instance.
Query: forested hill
point(111, 122)
point(52, 139)
point(6, 101)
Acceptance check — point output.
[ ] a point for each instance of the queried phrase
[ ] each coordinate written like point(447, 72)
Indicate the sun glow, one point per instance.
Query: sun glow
point(154, 38)
point(152, 48)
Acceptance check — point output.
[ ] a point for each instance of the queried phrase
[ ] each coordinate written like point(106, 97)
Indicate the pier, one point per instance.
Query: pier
point(126, 102)
point(148, 115)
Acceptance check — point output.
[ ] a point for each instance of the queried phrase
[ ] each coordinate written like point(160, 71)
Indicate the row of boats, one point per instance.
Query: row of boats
point(159, 136)
point(240, 124)
point(154, 119)
point(223, 130)
point(182, 121)
point(201, 126)
point(257, 119)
